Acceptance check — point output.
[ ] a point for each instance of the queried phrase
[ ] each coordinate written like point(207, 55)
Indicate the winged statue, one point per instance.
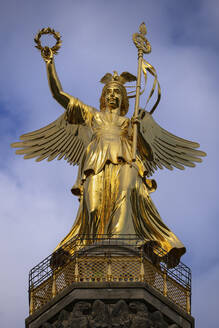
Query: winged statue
point(114, 191)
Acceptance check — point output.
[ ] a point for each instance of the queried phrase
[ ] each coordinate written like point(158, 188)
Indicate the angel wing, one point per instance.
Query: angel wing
point(168, 150)
point(59, 138)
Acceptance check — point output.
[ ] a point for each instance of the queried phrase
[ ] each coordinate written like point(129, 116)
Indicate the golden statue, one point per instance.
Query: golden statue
point(112, 182)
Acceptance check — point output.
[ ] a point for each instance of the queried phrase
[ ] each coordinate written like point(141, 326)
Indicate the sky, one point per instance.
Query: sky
point(37, 208)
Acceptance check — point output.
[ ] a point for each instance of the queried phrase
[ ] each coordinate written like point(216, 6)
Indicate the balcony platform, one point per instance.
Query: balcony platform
point(116, 275)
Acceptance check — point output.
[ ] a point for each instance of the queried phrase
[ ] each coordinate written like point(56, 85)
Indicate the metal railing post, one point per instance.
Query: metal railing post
point(165, 282)
point(31, 310)
point(109, 270)
point(76, 269)
point(188, 302)
point(142, 271)
point(54, 284)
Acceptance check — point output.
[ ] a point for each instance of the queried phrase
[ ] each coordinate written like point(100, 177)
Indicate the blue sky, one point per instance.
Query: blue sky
point(37, 208)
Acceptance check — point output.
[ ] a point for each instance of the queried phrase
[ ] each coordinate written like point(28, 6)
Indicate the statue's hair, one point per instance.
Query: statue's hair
point(125, 100)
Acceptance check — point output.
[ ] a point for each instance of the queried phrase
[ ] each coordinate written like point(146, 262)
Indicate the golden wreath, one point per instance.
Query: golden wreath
point(56, 35)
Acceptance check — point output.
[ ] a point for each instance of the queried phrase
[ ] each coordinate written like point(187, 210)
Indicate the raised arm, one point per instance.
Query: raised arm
point(55, 86)
point(76, 111)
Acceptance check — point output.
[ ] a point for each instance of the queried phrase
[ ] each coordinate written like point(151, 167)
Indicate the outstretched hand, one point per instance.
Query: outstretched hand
point(47, 54)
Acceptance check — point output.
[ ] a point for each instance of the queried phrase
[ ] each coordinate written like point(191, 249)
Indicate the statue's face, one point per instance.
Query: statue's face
point(113, 98)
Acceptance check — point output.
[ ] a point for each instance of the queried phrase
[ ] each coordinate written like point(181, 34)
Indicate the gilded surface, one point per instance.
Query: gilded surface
point(114, 191)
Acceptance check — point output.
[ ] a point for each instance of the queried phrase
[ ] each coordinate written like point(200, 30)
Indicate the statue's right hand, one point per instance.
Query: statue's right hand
point(47, 54)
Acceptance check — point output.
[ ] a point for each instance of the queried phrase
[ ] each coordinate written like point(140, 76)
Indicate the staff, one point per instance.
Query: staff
point(144, 47)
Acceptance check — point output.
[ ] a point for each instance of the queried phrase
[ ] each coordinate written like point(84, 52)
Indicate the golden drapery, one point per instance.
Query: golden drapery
point(114, 193)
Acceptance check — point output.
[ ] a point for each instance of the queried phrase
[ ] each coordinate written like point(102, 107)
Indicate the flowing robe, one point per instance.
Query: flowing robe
point(114, 192)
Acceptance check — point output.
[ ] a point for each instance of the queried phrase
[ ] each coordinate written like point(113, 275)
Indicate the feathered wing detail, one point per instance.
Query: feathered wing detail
point(58, 139)
point(127, 77)
point(122, 78)
point(106, 78)
point(168, 150)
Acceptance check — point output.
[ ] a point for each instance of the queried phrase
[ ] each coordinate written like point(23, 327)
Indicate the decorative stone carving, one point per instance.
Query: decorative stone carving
point(99, 317)
point(78, 318)
point(98, 314)
point(120, 315)
point(140, 315)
